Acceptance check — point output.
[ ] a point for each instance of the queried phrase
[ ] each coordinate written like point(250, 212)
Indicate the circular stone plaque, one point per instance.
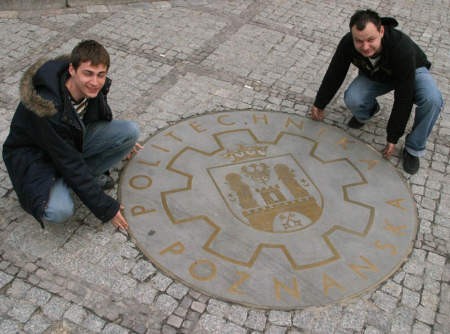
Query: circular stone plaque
point(268, 209)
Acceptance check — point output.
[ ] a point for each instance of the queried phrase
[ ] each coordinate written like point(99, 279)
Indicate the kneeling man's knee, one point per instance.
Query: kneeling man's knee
point(60, 214)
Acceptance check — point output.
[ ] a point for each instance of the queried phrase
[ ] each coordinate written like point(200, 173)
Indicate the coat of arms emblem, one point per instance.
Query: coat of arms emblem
point(271, 194)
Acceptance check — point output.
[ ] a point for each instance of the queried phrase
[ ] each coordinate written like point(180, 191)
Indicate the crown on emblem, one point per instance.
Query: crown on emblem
point(245, 152)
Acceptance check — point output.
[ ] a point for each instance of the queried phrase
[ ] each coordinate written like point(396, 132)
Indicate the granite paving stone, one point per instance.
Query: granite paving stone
point(256, 320)
point(8, 326)
point(37, 324)
point(55, 307)
point(166, 304)
point(5, 279)
point(161, 282)
point(232, 328)
point(114, 329)
point(217, 307)
point(93, 323)
point(18, 288)
point(237, 314)
point(5, 304)
point(142, 270)
point(172, 60)
point(37, 296)
point(177, 290)
point(22, 310)
point(211, 324)
point(198, 306)
point(76, 314)
point(410, 298)
point(280, 318)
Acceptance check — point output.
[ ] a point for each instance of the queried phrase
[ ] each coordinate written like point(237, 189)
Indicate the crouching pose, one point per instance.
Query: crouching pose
point(388, 60)
point(63, 138)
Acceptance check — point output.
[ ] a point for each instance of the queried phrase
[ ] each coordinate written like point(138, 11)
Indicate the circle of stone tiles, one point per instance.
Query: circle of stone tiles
point(268, 209)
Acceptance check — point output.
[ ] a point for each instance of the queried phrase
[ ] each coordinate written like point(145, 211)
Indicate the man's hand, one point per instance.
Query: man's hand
point(119, 221)
point(388, 150)
point(137, 147)
point(317, 114)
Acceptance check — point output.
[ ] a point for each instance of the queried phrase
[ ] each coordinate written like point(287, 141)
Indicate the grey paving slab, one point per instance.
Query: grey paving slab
point(172, 60)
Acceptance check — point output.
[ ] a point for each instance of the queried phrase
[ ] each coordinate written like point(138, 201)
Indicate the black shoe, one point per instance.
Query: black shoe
point(355, 124)
point(375, 110)
point(105, 181)
point(411, 163)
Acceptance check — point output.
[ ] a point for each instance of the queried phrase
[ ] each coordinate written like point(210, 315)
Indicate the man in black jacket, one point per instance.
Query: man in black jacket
point(63, 138)
point(387, 60)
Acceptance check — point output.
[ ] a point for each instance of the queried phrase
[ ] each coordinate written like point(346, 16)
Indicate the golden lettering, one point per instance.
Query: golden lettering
point(289, 121)
point(396, 203)
point(140, 210)
point(176, 248)
point(204, 275)
point(264, 118)
point(294, 291)
point(243, 276)
point(140, 182)
point(221, 121)
point(197, 127)
point(171, 135)
point(328, 283)
point(160, 148)
point(344, 142)
point(397, 230)
point(370, 163)
point(357, 268)
point(152, 164)
point(381, 246)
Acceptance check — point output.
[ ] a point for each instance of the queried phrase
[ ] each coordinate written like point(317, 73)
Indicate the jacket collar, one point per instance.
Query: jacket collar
point(37, 92)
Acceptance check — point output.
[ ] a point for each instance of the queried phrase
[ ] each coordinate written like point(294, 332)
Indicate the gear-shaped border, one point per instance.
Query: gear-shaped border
point(261, 246)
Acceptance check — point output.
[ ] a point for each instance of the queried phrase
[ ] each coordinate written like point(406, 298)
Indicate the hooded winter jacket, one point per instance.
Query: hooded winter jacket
point(45, 141)
point(399, 59)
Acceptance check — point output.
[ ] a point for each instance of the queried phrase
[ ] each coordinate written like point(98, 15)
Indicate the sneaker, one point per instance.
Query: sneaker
point(411, 163)
point(354, 123)
point(105, 181)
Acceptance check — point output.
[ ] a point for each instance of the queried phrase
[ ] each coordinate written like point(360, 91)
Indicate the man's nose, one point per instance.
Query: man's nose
point(95, 80)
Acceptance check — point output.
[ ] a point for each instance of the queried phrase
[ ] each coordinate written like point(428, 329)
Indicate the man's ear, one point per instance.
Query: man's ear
point(382, 31)
point(71, 70)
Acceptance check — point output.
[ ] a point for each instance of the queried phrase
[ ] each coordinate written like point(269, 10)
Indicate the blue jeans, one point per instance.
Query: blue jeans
point(360, 98)
point(105, 144)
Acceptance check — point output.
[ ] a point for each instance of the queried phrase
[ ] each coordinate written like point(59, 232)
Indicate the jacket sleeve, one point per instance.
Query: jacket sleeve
point(403, 98)
point(70, 164)
point(336, 72)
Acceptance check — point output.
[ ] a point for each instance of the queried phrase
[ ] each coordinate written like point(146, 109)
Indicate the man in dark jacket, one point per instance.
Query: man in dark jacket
point(387, 60)
point(62, 137)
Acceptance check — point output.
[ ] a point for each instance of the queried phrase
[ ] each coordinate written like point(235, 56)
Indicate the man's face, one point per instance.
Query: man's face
point(368, 41)
point(87, 80)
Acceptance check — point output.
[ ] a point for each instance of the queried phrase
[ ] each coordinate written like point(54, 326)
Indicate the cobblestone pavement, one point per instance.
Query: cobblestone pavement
point(175, 59)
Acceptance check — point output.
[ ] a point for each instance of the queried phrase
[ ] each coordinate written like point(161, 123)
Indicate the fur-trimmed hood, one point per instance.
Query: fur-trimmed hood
point(39, 86)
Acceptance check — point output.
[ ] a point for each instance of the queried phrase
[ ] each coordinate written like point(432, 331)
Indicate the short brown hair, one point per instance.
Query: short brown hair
point(362, 17)
point(89, 50)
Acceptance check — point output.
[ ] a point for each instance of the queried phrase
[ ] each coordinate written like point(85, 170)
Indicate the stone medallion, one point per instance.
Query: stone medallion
point(268, 209)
